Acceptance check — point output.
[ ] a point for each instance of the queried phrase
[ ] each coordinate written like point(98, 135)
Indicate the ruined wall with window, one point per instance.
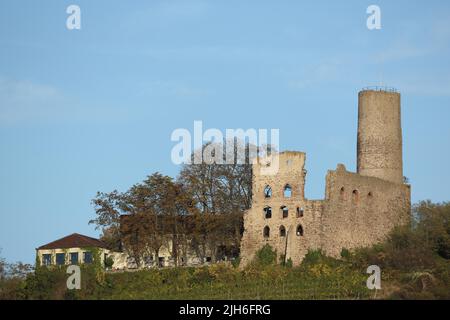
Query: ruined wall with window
point(357, 211)
point(360, 210)
point(280, 215)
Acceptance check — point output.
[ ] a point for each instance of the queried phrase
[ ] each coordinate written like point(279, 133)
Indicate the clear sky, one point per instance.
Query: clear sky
point(92, 110)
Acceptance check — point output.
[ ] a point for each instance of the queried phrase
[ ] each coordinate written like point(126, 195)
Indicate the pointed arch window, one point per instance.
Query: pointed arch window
point(267, 192)
point(266, 232)
point(355, 196)
point(282, 231)
point(342, 193)
point(267, 212)
point(299, 231)
point(287, 192)
point(284, 212)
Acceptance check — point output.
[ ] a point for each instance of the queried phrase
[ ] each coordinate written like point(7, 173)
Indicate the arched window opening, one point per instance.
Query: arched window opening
point(282, 231)
point(267, 192)
point(299, 231)
point(370, 198)
point(266, 232)
point(284, 212)
point(267, 212)
point(300, 212)
point(287, 191)
point(342, 193)
point(355, 196)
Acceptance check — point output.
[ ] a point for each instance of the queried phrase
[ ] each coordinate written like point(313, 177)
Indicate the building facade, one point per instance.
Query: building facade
point(74, 249)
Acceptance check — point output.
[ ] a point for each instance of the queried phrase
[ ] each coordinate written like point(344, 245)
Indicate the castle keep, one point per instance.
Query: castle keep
point(359, 209)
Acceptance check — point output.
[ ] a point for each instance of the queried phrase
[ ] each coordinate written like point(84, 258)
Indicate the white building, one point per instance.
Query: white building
point(73, 249)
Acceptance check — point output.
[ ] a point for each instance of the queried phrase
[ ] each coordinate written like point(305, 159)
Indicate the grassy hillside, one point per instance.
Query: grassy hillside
point(323, 278)
point(414, 263)
point(319, 277)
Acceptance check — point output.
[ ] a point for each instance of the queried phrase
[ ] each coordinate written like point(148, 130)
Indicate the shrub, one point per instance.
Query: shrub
point(266, 256)
point(434, 226)
point(313, 257)
point(202, 275)
point(109, 262)
point(345, 254)
point(46, 284)
point(235, 262)
point(289, 263)
point(223, 273)
point(406, 250)
point(11, 289)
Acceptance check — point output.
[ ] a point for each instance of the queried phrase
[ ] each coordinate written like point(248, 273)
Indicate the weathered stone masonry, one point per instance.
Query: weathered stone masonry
point(359, 209)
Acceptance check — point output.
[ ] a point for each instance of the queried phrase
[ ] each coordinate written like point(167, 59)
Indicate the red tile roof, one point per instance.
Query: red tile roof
point(75, 240)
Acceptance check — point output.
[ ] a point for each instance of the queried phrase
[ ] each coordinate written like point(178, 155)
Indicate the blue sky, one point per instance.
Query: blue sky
point(93, 109)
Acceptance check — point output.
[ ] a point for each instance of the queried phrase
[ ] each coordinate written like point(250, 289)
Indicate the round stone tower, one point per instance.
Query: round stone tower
point(379, 149)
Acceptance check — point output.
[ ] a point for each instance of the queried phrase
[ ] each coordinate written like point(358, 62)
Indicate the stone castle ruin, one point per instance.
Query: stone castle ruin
point(359, 209)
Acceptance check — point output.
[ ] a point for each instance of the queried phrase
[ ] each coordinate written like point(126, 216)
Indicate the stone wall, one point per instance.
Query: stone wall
point(357, 211)
point(360, 211)
point(294, 242)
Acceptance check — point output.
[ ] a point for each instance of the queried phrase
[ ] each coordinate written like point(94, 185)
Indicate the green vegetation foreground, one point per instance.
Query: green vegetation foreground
point(414, 262)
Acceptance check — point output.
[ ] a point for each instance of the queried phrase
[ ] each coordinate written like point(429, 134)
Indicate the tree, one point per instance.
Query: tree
point(138, 235)
point(19, 270)
point(203, 209)
point(108, 208)
point(146, 216)
point(2, 267)
point(434, 225)
point(172, 201)
point(219, 189)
